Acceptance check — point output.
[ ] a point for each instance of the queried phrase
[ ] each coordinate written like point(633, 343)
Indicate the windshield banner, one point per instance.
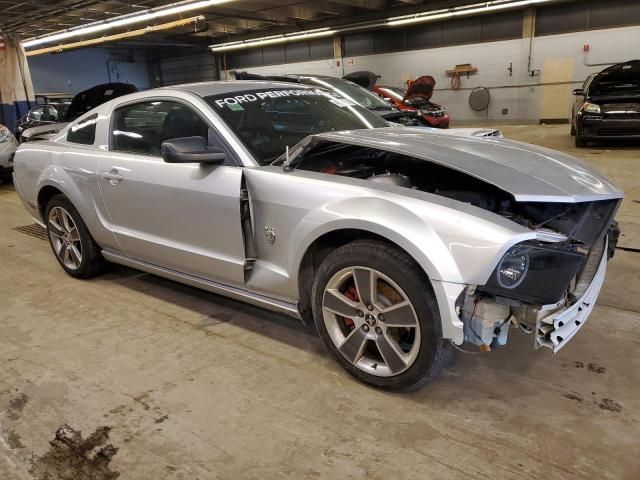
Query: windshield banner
point(256, 96)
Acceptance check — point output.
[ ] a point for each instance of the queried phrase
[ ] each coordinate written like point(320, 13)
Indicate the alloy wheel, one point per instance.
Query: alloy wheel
point(371, 321)
point(65, 238)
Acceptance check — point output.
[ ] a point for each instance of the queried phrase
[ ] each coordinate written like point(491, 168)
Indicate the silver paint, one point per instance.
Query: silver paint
point(182, 221)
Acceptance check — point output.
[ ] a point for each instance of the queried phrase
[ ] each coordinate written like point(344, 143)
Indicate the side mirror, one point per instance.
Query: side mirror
point(578, 91)
point(190, 150)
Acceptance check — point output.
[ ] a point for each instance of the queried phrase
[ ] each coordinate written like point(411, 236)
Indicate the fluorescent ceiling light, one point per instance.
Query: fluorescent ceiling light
point(461, 11)
point(124, 20)
point(258, 42)
point(115, 37)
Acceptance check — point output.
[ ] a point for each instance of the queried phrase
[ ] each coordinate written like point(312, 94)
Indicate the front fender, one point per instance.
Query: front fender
point(381, 217)
point(455, 245)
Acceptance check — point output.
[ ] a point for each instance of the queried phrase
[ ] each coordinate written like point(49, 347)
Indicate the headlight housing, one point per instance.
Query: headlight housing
point(591, 108)
point(512, 268)
point(534, 272)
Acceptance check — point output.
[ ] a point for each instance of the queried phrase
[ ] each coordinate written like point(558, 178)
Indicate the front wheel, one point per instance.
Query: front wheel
point(377, 315)
point(72, 244)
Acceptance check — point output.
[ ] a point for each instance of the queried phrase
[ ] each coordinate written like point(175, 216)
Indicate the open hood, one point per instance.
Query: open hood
point(528, 172)
point(97, 95)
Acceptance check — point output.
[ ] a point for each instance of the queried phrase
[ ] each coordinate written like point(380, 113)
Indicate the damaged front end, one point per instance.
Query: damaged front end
point(487, 312)
point(546, 286)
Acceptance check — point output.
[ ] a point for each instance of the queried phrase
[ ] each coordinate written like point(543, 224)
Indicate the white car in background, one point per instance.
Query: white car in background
point(8, 146)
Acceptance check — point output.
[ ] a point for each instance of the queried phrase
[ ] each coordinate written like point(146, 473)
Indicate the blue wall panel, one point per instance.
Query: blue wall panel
point(83, 69)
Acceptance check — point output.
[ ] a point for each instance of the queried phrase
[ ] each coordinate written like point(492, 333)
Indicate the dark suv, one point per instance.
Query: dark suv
point(607, 106)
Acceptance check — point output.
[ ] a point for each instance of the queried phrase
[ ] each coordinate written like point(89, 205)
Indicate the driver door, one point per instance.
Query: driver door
point(184, 217)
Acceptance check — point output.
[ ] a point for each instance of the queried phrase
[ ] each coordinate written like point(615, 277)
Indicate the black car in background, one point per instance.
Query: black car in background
point(607, 106)
point(42, 115)
point(57, 117)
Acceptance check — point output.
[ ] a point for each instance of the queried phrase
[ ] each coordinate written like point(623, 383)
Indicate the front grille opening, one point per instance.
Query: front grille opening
point(33, 230)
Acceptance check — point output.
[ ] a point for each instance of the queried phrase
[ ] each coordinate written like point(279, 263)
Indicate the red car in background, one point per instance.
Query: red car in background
point(433, 114)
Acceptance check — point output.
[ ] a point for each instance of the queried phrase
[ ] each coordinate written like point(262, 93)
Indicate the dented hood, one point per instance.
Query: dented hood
point(528, 172)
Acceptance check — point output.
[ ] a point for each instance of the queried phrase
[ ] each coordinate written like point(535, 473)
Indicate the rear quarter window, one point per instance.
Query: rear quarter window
point(84, 131)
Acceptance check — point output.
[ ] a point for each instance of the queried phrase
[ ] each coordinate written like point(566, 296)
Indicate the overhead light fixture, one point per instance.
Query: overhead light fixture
point(461, 11)
point(124, 20)
point(259, 42)
point(115, 37)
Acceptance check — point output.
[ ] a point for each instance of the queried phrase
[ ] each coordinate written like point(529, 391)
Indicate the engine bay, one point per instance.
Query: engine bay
point(583, 223)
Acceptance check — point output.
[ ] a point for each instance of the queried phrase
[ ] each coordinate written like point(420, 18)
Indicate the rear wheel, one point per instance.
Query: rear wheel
point(71, 242)
point(377, 315)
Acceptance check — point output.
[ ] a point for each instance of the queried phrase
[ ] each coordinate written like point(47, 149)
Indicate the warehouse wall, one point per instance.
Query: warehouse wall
point(198, 67)
point(559, 58)
point(77, 70)
point(556, 58)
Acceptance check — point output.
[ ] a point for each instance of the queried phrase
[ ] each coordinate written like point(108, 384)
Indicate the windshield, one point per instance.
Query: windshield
point(393, 92)
point(269, 120)
point(352, 92)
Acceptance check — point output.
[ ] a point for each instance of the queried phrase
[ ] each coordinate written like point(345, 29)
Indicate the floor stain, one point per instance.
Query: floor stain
point(13, 439)
point(120, 409)
point(573, 396)
point(578, 364)
point(72, 457)
point(16, 406)
point(608, 404)
point(217, 318)
point(161, 419)
point(595, 368)
point(142, 400)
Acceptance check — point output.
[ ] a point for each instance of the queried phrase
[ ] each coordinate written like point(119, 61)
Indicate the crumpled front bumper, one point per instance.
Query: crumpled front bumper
point(558, 327)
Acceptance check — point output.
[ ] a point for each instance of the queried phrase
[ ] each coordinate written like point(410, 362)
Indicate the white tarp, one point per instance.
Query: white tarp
point(16, 89)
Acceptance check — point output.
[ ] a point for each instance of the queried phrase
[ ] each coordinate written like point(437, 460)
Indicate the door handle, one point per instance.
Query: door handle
point(112, 176)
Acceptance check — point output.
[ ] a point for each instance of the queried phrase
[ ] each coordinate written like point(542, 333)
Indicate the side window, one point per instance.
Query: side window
point(84, 131)
point(142, 127)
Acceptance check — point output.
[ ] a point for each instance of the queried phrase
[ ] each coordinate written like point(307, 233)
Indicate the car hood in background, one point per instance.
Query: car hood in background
point(528, 172)
point(97, 95)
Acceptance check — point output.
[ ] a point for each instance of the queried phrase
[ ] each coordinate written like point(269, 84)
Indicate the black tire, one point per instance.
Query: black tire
point(580, 142)
point(434, 352)
point(573, 129)
point(92, 262)
point(6, 179)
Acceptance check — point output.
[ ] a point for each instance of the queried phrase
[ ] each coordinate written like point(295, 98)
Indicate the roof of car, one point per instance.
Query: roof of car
point(205, 89)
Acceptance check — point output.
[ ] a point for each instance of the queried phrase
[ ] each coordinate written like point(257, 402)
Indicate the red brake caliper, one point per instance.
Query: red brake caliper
point(352, 294)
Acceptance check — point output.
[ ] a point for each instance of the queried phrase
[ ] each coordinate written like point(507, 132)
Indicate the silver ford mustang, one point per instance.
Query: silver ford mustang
point(400, 243)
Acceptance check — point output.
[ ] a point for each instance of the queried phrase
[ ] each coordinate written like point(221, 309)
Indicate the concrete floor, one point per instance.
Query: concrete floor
point(153, 380)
